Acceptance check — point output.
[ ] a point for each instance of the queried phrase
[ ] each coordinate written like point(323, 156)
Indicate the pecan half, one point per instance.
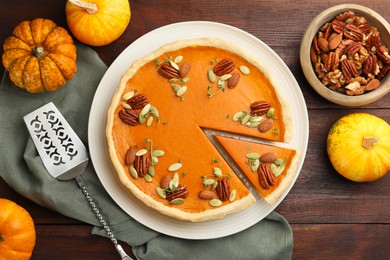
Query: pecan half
point(233, 80)
point(332, 61)
point(384, 71)
point(128, 116)
point(266, 177)
point(223, 67)
point(130, 156)
point(260, 107)
point(365, 28)
point(138, 101)
point(383, 55)
point(345, 16)
point(370, 64)
point(349, 69)
point(338, 26)
point(353, 32)
point(184, 69)
point(223, 189)
point(353, 48)
point(373, 42)
point(167, 71)
point(142, 164)
point(180, 192)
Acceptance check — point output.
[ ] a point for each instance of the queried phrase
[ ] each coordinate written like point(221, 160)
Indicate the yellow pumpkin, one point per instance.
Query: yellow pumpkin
point(97, 22)
point(17, 231)
point(40, 56)
point(358, 146)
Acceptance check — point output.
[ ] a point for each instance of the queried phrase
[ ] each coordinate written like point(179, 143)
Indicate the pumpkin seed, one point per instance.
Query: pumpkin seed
point(215, 202)
point(255, 165)
point(150, 121)
point(126, 106)
point(226, 77)
point(245, 119)
point(244, 70)
point(161, 192)
point(175, 177)
point(255, 118)
point(217, 172)
point(276, 170)
point(177, 201)
point(173, 64)
point(270, 112)
point(133, 172)
point(181, 91)
point(221, 83)
point(153, 111)
point(148, 178)
point(158, 153)
point(173, 184)
point(253, 124)
point(232, 196)
point(143, 113)
point(215, 184)
point(178, 59)
point(128, 95)
point(211, 75)
point(154, 160)
point(253, 156)
point(208, 182)
point(175, 88)
point(238, 115)
point(151, 171)
point(279, 162)
point(173, 80)
point(141, 152)
point(184, 80)
point(174, 167)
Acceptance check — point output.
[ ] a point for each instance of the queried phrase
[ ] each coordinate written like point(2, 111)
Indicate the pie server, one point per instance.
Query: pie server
point(63, 154)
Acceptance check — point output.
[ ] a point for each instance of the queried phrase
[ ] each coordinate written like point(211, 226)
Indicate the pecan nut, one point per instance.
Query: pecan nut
point(332, 61)
point(223, 67)
point(260, 107)
point(345, 16)
point(167, 71)
point(353, 32)
point(128, 116)
point(352, 48)
point(266, 177)
point(223, 189)
point(138, 101)
point(184, 69)
point(384, 71)
point(338, 26)
point(383, 55)
point(233, 80)
point(370, 65)
point(349, 69)
point(130, 156)
point(373, 42)
point(142, 164)
point(180, 192)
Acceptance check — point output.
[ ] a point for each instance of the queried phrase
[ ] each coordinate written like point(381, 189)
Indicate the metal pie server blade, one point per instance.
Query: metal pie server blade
point(63, 154)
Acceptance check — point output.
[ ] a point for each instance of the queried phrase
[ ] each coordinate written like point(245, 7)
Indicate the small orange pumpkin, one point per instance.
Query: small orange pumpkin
point(17, 231)
point(97, 22)
point(358, 146)
point(40, 56)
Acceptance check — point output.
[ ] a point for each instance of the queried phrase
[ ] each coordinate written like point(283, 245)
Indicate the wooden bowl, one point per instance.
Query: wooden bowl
point(373, 19)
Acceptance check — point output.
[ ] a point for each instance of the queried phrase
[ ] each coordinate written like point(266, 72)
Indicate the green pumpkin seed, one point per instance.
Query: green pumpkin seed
point(245, 119)
point(208, 182)
point(178, 59)
point(215, 184)
point(255, 118)
point(253, 156)
point(226, 77)
point(238, 115)
point(173, 80)
point(255, 165)
point(154, 160)
point(177, 201)
point(215, 202)
point(217, 172)
point(253, 124)
point(270, 112)
point(128, 95)
point(158, 153)
point(173, 64)
point(153, 111)
point(181, 91)
point(211, 75)
point(151, 171)
point(174, 167)
point(148, 178)
point(161, 192)
point(141, 152)
point(184, 80)
point(277, 170)
point(244, 70)
point(150, 121)
point(126, 106)
point(175, 88)
point(221, 83)
point(279, 162)
point(133, 172)
point(232, 196)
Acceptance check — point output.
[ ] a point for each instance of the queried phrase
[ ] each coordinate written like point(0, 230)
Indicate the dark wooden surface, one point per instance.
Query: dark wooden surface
point(331, 217)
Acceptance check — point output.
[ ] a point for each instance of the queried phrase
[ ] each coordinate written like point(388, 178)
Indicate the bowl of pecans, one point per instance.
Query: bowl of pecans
point(345, 57)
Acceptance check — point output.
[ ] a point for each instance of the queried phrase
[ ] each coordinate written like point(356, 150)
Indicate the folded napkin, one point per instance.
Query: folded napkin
point(22, 168)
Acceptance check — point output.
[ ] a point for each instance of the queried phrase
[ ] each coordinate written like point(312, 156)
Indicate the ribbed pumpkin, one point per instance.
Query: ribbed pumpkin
point(97, 22)
point(17, 232)
point(359, 147)
point(40, 56)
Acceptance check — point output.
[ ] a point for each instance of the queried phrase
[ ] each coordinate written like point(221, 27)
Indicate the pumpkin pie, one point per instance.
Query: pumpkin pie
point(156, 122)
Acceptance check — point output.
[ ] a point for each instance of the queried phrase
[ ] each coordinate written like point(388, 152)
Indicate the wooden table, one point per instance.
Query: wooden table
point(330, 216)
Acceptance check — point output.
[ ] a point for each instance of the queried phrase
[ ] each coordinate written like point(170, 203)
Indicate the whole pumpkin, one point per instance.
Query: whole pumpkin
point(97, 22)
point(358, 146)
point(17, 231)
point(40, 56)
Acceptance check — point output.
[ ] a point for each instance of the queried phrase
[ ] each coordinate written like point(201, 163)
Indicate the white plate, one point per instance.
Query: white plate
point(97, 123)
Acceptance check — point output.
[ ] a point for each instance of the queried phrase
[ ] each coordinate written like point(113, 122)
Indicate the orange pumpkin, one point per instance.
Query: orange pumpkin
point(17, 231)
point(40, 56)
point(97, 22)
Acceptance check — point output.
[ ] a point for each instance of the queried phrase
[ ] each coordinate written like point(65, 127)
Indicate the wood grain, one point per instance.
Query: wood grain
point(331, 217)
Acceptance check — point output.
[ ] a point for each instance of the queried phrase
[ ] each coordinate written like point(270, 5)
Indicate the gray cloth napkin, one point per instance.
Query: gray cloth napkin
point(22, 168)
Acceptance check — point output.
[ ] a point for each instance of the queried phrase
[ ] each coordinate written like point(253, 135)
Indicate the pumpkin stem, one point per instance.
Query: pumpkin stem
point(90, 7)
point(369, 141)
point(39, 52)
